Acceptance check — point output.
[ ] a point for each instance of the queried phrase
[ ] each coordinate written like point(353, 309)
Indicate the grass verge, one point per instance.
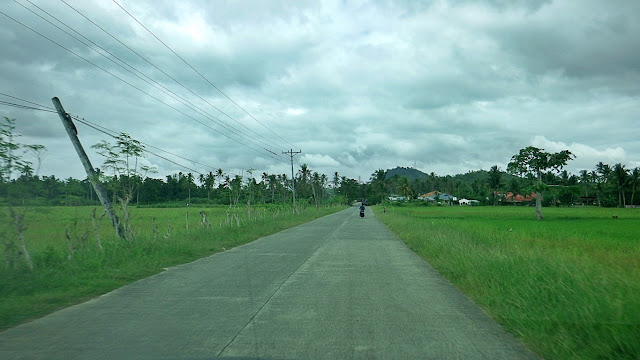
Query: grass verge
point(566, 286)
point(59, 281)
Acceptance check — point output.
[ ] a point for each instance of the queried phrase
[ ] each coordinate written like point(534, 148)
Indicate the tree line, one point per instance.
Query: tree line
point(217, 187)
point(605, 185)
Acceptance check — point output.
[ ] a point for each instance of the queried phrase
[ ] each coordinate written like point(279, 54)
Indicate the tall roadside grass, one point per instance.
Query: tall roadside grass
point(163, 238)
point(568, 286)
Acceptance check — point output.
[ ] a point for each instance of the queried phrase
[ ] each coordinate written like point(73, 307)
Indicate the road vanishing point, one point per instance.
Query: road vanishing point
point(339, 287)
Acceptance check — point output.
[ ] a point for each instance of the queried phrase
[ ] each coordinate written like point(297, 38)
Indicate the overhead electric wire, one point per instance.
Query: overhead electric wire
point(44, 108)
point(111, 133)
point(104, 130)
point(114, 133)
point(166, 74)
point(20, 106)
point(197, 72)
point(96, 127)
point(152, 153)
point(133, 86)
point(152, 83)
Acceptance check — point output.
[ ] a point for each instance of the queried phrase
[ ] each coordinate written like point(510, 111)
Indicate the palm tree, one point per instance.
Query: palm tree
point(251, 182)
point(378, 184)
point(336, 181)
point(585, 179)
point(494, 181)
point(323, 184)
point(634, 178)
point(209, 183)
point(190, 179)
point(227, 185)
point(315, 188)
point(621, 176)
point(284, 180)
point(403, 186)
point(303, 183)
point(221, 177)
point(601, 176)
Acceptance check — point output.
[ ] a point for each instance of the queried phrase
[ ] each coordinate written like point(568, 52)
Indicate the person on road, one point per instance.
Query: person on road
point(362, 210)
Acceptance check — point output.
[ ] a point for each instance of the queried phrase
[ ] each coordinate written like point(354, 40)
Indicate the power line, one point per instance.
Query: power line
point(108, 132)
point(197, 72)
point(104, 130)
point(152, 83)
point(20, 106)
point(97, 128)
point(42, 107)
point(135, 87)
point(166, 74)
point(113, 133)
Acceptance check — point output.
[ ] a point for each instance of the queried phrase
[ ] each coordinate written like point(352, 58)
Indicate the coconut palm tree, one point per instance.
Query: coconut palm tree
point(634, 178)
point(621, 176)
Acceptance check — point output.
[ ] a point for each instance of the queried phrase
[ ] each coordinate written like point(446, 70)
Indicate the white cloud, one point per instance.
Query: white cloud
point(319, 160)
point(586, 156)
point(295, 111)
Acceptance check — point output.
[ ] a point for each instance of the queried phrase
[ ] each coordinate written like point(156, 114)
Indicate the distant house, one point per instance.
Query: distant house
point(517, 198)
point(437, 195)
point(396, 198)
point(468, 202)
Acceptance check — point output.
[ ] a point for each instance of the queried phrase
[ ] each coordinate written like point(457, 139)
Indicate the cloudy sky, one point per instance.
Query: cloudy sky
point(445, 86)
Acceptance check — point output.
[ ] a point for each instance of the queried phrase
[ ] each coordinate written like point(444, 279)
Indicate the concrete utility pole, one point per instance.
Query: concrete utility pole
point(91, 173)
point(291, 154)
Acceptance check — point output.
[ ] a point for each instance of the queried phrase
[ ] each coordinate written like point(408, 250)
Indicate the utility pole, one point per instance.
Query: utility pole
point(91, 173)
point(291, 154)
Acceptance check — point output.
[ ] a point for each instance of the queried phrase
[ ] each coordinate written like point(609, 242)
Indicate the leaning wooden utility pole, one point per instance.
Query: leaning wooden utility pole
point(291, 154)
point(91, 173)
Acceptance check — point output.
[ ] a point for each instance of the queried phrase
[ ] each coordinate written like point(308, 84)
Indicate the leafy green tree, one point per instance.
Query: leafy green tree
point(534, 161)
point(349, 189)
point(122, 158)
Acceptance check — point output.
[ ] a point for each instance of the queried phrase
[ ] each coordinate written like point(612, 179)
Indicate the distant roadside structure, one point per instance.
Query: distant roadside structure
point(438, 196)
point(511, 198)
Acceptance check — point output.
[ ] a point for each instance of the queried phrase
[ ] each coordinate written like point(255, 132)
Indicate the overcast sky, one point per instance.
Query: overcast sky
point(443, 86)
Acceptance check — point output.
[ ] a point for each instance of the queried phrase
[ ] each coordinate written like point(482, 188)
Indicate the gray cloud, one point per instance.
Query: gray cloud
point(449, 86)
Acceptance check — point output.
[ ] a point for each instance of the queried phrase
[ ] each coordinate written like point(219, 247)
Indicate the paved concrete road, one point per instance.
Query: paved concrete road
point(340, 287)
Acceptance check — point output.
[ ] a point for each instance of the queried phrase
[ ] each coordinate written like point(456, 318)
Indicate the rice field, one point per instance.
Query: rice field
point(95, 262)
point(568, 286)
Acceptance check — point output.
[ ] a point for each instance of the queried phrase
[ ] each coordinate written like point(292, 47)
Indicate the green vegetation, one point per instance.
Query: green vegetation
point(567, 286)
point(606, 186)
point(68, 270)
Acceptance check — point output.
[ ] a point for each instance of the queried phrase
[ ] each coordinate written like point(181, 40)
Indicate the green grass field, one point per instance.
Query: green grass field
point(58, 281)
point(568, 286)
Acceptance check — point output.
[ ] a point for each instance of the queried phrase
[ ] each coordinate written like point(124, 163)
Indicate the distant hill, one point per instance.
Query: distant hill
point(482, 175)
point(411, 173)
point(469, 177)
